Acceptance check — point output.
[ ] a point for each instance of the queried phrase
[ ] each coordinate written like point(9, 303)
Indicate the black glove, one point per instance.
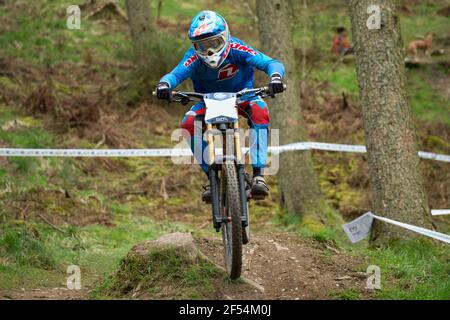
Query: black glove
point(275, 85)
point(163, 91)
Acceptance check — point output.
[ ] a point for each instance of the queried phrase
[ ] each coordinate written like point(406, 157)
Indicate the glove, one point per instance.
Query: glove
point(163, 91)
point(275, 85)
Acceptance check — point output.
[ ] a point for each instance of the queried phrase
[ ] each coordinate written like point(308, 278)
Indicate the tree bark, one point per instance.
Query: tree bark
point(395, 177)
point(298, 183)
point(141, 26)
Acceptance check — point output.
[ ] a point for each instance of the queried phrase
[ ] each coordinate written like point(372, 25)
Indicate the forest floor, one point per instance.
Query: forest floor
point(80, 89)
point(284, 267)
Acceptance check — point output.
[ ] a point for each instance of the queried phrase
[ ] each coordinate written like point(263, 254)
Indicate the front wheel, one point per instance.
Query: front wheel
point(232, 225)
point(246, 230)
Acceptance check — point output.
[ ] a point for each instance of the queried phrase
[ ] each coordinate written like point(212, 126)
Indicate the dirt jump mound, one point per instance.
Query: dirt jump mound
point(170, 267)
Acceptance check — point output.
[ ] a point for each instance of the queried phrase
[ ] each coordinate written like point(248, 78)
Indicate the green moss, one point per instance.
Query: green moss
point(334, 179)
point(435, 142)
point(305, 227)
point(313, 223)
point(7, 83)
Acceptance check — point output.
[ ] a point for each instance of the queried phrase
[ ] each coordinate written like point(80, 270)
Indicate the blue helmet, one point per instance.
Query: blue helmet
point(210, 38)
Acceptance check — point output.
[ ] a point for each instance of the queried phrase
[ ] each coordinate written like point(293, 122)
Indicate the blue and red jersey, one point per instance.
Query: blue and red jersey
point(235, 73)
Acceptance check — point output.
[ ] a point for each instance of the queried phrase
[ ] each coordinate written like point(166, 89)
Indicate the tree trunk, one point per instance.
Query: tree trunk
point(395, 176)
point(298, 183)
point(159, 10)
point(141, 27)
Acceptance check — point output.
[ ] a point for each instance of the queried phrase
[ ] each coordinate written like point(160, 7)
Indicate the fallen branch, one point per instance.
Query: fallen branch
point(51, 224)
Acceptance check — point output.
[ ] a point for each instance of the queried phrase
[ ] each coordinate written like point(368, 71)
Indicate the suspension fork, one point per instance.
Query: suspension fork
point(240, 173)
point(218, 187)
point(214, 181)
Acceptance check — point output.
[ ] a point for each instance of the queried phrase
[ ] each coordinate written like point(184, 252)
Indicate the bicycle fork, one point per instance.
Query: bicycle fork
point(215, 166)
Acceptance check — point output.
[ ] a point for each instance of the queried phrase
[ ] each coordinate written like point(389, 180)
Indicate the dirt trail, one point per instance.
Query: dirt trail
point(43, 294)
point(286, 266)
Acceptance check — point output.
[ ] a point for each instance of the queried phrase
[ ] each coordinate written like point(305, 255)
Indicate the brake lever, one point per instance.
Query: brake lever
point(181, 98)
point(185, 101)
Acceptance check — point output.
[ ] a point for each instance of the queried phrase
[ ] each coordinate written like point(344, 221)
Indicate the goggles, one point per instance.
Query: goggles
point(209, 46)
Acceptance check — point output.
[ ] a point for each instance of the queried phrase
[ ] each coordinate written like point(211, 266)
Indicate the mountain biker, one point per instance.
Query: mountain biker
point(217, 62)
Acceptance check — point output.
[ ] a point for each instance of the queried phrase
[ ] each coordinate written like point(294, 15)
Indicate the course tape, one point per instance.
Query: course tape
point(439, 212)
point(178, 152)
point(18, 152)
point(359, 228)
point(430, 233)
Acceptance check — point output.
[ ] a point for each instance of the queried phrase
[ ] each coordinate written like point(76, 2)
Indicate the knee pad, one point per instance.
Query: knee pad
point(260, 112)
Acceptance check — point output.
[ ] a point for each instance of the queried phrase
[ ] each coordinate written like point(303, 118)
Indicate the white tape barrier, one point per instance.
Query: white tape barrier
point(439, 212)
point(17, 152)
point(434, 156)
point(359, 228)
point(177, 152)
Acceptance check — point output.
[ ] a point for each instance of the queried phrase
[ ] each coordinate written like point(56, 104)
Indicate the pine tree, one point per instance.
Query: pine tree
point(395, 177)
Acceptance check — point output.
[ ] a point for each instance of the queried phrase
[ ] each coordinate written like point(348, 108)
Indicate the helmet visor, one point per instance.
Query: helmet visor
point(209, 45)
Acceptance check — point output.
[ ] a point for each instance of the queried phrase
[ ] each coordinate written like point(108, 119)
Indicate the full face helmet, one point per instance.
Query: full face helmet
point(210, 38)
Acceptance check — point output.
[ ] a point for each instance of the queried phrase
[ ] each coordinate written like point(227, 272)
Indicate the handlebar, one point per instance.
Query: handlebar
point(186, 97)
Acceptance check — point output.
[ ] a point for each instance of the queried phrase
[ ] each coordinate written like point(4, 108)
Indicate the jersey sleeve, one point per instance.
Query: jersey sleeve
point(257, 59)
point(182, 71)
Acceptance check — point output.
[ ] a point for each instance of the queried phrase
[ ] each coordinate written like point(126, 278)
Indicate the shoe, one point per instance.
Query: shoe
point(206, 194)
point(259, 188)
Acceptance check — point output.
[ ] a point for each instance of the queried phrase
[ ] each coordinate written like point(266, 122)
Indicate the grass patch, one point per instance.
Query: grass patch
point(426, 103)
point(294, 223)
point(348, 294)
point(39, 34)
point(413, 270)
point(33, 253)
point(24, 247)
point(162, 273)
point(26, 170)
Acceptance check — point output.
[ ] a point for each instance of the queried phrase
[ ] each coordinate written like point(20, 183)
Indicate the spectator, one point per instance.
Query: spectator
point(340, 43)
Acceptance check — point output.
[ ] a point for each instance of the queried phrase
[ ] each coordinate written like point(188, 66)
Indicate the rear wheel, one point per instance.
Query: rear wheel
point(232, 227)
